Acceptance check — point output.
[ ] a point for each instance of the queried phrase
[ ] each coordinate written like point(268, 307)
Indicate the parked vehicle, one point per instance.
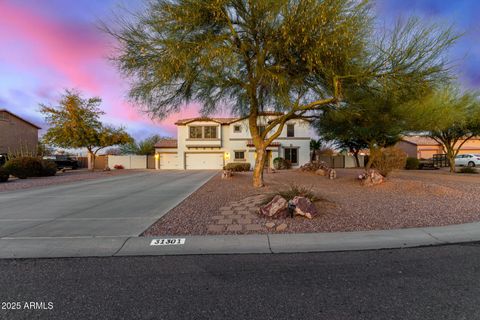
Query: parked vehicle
point(470, 160)
point(63, 162)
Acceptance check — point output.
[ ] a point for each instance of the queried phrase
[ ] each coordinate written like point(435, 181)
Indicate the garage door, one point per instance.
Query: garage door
point(202, 161)
point(168, 161)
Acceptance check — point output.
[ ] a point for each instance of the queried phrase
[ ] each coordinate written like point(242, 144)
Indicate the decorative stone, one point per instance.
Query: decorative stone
point(226, 174)
point(321, 172)
point(371, 178)
point(274, 207)
point(281, 227)
point(304, 207)
point(332, 174)
point(270, 225)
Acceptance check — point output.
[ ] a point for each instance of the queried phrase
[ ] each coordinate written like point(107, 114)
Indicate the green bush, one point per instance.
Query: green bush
point(25, 167)
point(237, 167)
point(4, 174)
point(281, 164)
point(49, 168)
point(467, 170)
point(389, 159)
point(412, 163)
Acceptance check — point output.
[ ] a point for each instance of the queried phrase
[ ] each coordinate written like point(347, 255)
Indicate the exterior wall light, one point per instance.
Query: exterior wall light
point(226, 156)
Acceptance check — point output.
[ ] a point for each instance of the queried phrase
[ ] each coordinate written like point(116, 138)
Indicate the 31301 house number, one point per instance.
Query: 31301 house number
point(167, 242)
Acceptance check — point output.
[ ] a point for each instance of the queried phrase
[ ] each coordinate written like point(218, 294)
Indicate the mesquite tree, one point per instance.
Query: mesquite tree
point(252, 56)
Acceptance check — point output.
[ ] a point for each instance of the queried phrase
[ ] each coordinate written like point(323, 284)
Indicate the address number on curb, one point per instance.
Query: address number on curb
point(167, 242)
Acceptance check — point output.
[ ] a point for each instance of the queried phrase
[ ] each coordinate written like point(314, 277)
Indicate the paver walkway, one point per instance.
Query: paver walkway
point(238, 216)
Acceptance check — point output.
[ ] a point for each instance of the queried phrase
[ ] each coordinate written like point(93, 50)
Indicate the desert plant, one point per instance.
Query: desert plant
point(237, 167)
point(281, 164)
point(467, 170)
point(388, 160)
point(292, 191)
point(24, 167)
point(49, 168)
point(412, 163)
point(4, 174)
point(118, 167)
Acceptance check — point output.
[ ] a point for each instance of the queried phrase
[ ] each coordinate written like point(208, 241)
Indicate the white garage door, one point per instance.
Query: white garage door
point(202, 161)
point(168, 161)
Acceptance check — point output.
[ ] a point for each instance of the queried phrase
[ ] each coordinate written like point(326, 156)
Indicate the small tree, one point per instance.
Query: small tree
point(454, 119)
point(143, 147)
point(75, 123)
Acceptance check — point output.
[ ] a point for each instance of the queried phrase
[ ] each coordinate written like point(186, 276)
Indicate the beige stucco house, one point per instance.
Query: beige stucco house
point(17, 134)
point(422, 147)
point(210, 143)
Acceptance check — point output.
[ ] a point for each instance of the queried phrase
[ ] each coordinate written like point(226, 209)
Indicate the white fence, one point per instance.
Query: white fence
point(128, 162)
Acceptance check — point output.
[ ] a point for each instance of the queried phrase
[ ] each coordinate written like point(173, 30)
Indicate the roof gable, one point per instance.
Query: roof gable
point(20, 118)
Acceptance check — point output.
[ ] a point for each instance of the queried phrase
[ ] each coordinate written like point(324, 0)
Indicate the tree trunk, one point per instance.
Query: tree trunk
point(451, 159)
point(371, 157)
point(259, 165)
point(357, 161)
point(91, 160)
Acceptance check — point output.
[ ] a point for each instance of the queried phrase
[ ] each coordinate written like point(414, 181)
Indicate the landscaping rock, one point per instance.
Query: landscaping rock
point(321, 172)
point(226, 174)
point(274, 207)
point(371, 178)
point(281, 227)
point(270, 225)
point(332, 174)
point(304, 207)
point(314, 166)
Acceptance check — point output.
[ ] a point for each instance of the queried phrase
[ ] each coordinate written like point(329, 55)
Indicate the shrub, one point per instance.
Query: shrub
point(412, 163)
point(49, 168)
point(389, 159)
point(237, 167)
point(118, 167)
point(24, 167)
point(293, 191)
point(281, 164)
point(467, 170)
point(4, 175)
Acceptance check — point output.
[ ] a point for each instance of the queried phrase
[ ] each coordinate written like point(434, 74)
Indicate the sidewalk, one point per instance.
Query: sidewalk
point(242, 244)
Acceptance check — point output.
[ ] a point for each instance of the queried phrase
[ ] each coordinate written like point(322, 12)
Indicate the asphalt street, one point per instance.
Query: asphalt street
point(420, 283)
point(118, 206)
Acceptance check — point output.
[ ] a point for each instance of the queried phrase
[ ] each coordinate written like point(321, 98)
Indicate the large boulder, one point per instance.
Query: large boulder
point(304, 207)
point(275, 207)
point(371, 178)
point(321, 172)
point(314, 166)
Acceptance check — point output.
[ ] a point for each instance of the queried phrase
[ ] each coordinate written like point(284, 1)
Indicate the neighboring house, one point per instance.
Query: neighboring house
point(422, 147)
point(210, 143)
point(17, 134)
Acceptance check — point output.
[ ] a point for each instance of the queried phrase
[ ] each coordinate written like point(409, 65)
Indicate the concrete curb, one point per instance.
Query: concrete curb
point(238, 244)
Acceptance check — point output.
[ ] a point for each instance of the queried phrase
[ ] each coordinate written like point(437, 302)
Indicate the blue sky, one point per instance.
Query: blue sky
point(50, 45)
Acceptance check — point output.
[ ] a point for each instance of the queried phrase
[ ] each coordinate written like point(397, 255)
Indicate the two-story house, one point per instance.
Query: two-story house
point(17, 134)
point(210, 143)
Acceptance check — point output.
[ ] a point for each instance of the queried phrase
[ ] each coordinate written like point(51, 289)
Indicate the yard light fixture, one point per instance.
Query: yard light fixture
point(157, 156)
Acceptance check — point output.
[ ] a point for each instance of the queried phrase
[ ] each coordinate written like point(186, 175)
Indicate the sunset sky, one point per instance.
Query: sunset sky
point(50, 45)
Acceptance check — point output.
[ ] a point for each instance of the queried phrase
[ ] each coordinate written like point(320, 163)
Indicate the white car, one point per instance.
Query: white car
point(470, 160)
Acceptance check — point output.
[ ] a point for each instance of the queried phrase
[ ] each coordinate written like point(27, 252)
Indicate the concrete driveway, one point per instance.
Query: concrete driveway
point(117, 206)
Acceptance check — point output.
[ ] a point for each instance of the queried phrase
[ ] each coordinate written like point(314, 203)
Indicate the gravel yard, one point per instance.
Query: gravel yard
point(61, 177)
point(407, 199)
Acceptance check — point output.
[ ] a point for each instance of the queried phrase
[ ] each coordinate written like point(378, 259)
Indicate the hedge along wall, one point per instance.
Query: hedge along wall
point(128, 162)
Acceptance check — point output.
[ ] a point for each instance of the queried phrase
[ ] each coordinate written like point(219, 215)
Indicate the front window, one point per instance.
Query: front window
point(291, 154)
point(290, 130)
point(196, 132)
point(239, 155)
point(210, 132)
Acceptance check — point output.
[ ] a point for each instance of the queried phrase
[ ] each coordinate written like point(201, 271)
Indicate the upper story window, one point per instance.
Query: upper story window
point(210, 132)
point(196, 132)
point(203, 132)
point(237, 128)
point(290, 130)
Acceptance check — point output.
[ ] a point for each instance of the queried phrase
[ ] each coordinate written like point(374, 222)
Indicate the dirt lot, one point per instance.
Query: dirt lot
point(65, 177)
point(407, 199)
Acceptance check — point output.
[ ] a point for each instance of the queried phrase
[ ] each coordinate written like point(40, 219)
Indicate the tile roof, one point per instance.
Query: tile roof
point(225, 120)
point(166, 143)
point(420, 140)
